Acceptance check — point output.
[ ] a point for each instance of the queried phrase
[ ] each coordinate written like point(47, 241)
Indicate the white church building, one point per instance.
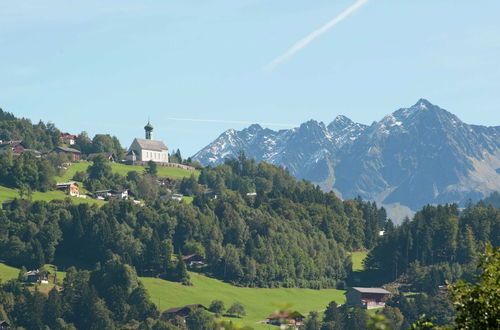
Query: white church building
point(144, 150)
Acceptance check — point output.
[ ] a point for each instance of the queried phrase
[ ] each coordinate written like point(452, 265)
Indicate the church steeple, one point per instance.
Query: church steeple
point(149, 131)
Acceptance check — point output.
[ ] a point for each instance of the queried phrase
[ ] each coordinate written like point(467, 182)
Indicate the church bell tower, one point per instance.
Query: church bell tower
point(149, 131)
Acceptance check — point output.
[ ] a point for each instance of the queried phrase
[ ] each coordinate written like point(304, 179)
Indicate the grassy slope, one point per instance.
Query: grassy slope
point(357, 260)
point(8, 193)
point(170, 172)
point(7, 272)
point(258, 302)
point(123, 169)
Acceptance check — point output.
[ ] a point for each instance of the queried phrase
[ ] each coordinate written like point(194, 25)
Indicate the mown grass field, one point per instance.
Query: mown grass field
point(8, 193)
point(357, 260)
point(7, 272)
point(258, 303)
point(122, 169)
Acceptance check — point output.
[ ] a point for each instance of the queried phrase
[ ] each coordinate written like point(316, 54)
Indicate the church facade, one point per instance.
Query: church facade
point(144, 150)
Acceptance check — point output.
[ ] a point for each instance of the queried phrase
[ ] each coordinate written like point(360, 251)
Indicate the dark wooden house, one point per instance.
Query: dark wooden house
point(366, 297)
point(74, 154)
point(16, 147)
point(182, 311)
point(194, 260)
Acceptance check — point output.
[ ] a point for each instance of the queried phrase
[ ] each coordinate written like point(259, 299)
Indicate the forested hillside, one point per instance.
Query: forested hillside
point(289, 234)
point(438, 247)
point(40, 136)
point(437, 236)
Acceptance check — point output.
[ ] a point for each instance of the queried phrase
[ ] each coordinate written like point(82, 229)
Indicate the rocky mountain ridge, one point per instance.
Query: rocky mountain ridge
point(415, 156)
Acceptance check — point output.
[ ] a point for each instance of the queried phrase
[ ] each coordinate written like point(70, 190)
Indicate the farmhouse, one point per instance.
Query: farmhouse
point(194, 260)
point(367, 298)
point(144, 150)
point(286, 317)
point(180, 311)
point(16, 147)
point(71, 188)
point(107, 194)
point(74, 154)
point(69, 139)
point(37, 276)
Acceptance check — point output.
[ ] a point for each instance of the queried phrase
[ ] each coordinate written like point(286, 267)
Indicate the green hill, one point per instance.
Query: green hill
point(8, 193)
point(258, 303)
point(123, 169)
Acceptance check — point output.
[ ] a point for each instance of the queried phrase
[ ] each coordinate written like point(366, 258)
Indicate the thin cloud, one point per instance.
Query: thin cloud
point(218, 121)
point(304, 42)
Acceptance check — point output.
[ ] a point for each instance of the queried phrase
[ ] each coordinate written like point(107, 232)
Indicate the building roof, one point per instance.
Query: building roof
point(191, 256)
point(71, 150)
point(11, 144)
point(285, 315)
point(177, 309)
point(371, 290)
point(66, 184)
point(151, 144)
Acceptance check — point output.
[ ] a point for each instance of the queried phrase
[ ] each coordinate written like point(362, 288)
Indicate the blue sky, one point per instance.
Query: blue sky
point(105, 66)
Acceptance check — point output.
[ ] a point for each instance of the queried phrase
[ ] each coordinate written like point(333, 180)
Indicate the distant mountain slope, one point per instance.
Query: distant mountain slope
point(415, 156)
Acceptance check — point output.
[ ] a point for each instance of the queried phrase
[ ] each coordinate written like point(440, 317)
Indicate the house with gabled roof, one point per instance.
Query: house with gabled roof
point(182, 311)
point(17, 147)
point(367, 298)
point(73, 153)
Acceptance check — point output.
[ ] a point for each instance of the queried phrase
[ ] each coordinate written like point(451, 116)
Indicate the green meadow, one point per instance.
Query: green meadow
point(9, 193)
point(122, 169)
point(258, 302)
point(7, 272)
point(357, 260)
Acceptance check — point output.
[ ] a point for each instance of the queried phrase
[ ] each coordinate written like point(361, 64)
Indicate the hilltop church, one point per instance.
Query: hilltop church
point(144, 150)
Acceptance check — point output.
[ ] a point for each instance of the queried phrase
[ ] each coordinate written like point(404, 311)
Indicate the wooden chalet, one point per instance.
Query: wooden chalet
point(194, 260)
point(293, 318)
point(37, 276)
point(182, 311)
point(108, 194)
point(367, 298)
point(74, 154)
point(16, 147)
point(71, 188)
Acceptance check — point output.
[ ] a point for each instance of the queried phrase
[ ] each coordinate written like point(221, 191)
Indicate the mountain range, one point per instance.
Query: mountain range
point(415, 156)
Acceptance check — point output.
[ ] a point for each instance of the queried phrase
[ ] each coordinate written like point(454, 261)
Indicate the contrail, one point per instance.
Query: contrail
point(304, 42)
point(230, 122)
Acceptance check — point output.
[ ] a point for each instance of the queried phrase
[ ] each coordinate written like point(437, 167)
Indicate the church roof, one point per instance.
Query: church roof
point(151, 144)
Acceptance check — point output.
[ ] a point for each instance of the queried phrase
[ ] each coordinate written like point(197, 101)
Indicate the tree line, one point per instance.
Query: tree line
point(291, 234)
